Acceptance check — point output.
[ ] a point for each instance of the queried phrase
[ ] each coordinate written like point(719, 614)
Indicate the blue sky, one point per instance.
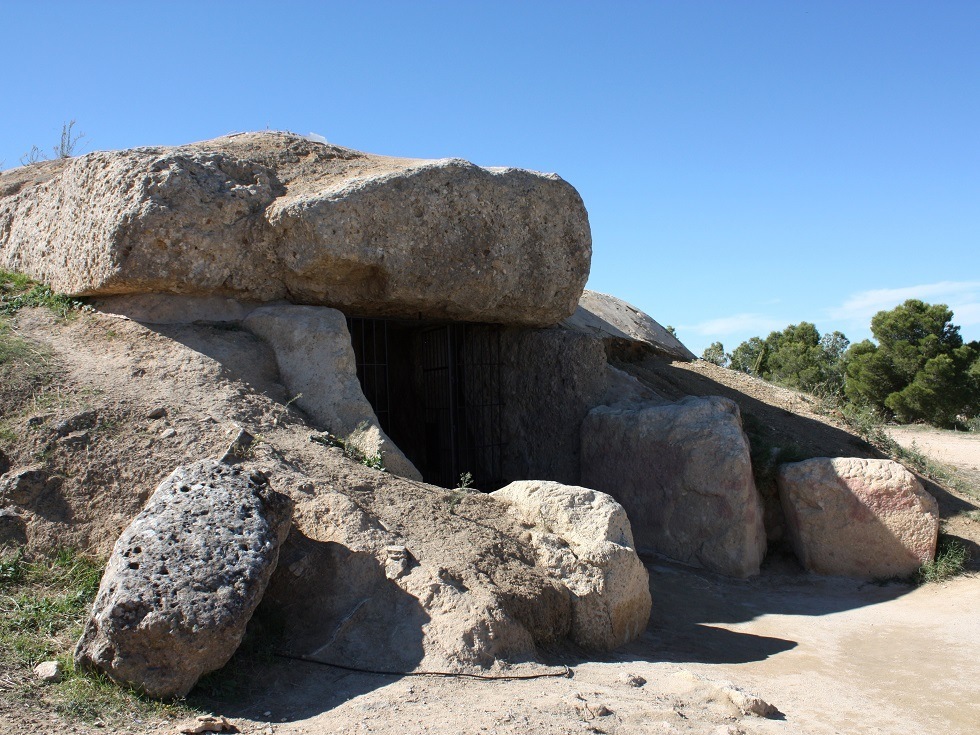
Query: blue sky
point(746, 165)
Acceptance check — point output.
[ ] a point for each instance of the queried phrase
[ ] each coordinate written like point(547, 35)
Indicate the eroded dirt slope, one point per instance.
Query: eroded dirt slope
point(834, 656)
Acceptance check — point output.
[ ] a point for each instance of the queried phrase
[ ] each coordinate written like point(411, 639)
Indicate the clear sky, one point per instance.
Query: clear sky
point(746, 165)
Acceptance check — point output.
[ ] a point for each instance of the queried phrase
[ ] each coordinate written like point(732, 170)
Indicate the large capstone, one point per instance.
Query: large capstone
point(184, 579)
point(269, 216)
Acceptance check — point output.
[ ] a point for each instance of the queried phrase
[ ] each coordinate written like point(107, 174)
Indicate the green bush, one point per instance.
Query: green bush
point(920, 370)
point(951, 558)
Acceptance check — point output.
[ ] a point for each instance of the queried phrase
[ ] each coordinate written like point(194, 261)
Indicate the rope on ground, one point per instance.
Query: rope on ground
point(566, 672)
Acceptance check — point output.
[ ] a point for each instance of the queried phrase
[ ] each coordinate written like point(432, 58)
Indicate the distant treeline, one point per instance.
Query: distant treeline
point(916, 369)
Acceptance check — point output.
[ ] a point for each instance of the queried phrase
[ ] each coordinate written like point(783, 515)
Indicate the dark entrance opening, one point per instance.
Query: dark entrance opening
point(436, 391)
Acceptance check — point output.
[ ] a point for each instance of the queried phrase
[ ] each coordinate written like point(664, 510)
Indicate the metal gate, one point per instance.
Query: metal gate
point(369, 338)
point(459, 406)
point(463, 406)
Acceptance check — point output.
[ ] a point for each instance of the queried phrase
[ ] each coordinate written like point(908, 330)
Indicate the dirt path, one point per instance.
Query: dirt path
point(956, 448)
point(834, 656)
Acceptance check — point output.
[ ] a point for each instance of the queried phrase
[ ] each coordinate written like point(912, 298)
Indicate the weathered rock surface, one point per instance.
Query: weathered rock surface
point(612, 319)
point(401, 576)
point(184, 579)
point(49, 672)
point(316, 363)
point(866, 518)
point(267, 216)
point(583, 538)
point(23, 487)
point(683, 473)
point(550, 379)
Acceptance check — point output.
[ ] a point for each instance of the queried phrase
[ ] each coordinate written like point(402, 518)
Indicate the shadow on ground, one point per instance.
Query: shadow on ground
point(691, 604)
point(691, 608)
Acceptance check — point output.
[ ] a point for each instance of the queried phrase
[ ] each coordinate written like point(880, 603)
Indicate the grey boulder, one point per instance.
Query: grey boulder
point(613, 320)
point(683, 473)
point(184, 579)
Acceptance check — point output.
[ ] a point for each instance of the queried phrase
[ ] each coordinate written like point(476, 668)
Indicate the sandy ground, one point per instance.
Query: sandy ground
point(957, 448)
point(833, 655)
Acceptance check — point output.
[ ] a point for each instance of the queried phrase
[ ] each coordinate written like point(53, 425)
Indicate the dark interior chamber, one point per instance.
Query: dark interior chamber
point(436, 391)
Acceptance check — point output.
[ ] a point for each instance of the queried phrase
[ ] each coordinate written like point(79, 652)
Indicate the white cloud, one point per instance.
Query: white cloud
point(961, 296)
point(735, 324)
point(966, 315)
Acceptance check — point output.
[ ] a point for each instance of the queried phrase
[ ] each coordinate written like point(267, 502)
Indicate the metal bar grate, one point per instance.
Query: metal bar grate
point(369, 338)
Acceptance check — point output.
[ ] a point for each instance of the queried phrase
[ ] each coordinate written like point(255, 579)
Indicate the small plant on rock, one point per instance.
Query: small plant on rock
point(349, 446)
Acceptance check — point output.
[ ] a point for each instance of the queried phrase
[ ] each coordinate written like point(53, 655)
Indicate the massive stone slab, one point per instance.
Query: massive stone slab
point(267, 216)
point(316, 363)
point(613, 320)
point(866, 518)
point(683, 473)
point(583, 538)
point(184, 578)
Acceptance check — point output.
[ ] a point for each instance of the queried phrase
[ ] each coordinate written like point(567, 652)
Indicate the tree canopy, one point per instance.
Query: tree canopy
point(920, 370)
point(798, 357)
point(916, 368)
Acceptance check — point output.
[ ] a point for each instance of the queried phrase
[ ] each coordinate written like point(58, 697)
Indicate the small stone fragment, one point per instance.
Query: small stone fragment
point(25, 486)
point(239, 448)
point(13, 527)
point(75, 440)
point(83, 420)
point(156, 413)
point(749, 704)
point(206, 723)
point(397, 562)
point(50, 672)
point(167, 433)
point(633, 680)
point(35, 422)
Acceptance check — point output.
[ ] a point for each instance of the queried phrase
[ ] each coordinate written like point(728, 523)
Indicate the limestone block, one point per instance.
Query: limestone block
point(316, 363)
point(866, 518)
point(583, 538)
point(683, 473)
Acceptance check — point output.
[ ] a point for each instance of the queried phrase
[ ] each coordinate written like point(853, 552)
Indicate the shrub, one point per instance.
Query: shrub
point(951, 558)
point(920, 370)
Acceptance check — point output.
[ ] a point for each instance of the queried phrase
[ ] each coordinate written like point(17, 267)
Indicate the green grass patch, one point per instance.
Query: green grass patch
point(14, 283)
point(17, 291)
point(44, 603)
point(952, 556)
point(25, 368)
